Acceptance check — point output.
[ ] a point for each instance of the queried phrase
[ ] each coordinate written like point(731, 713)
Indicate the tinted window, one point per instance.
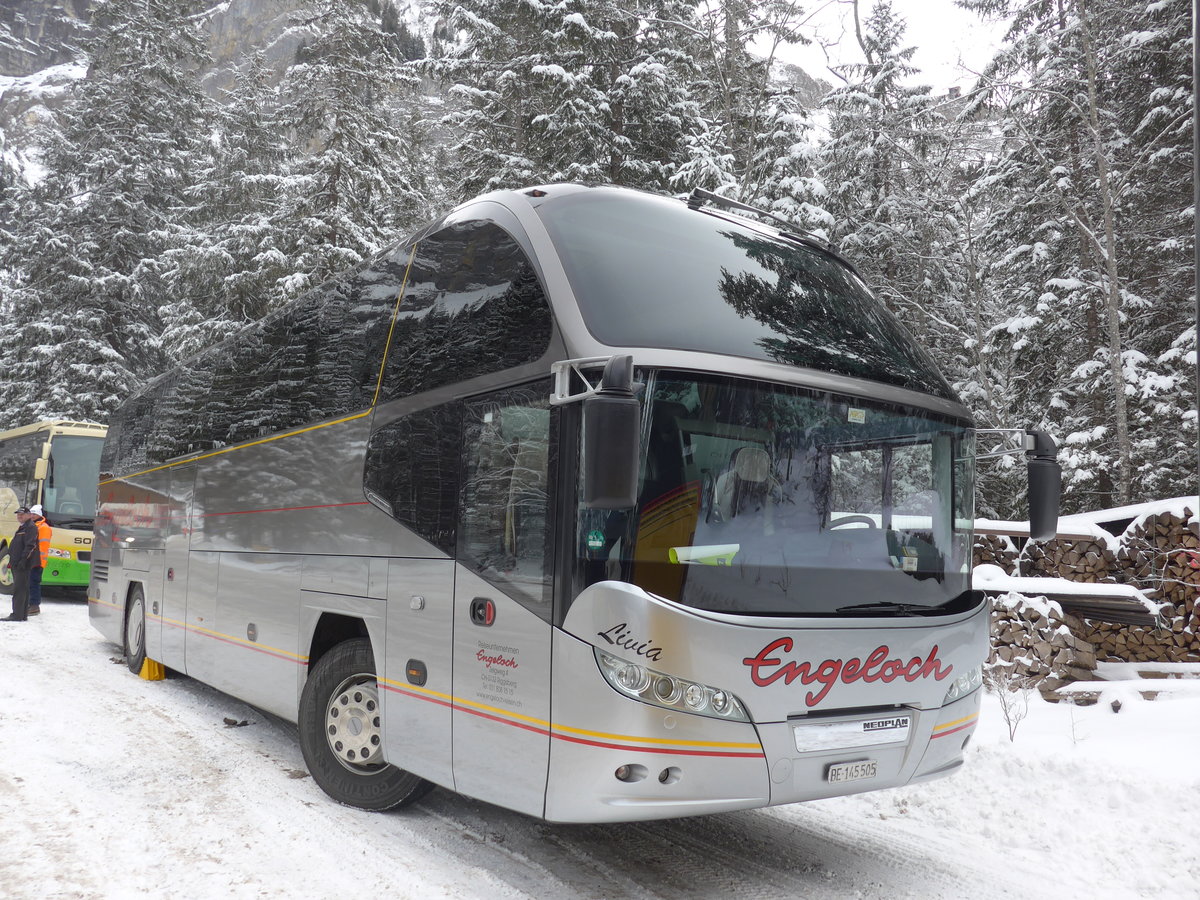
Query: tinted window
point(764, 499)
point(136, 437)
point(70, 491)
point(472, 305)
point(412, 472)
point(16, 469)
point(317, 358)
point(650, 272)
point(504, 530)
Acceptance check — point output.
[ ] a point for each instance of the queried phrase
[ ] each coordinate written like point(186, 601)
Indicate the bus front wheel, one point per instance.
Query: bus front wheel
point(341, 735)
point(135, 630)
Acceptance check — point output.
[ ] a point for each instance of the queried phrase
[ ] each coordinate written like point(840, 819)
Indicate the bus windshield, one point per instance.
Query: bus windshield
point(650, 272)
point(767, 500)
point(69, 498)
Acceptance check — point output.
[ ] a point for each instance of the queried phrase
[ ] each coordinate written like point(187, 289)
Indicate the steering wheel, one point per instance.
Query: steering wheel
point(856, 519)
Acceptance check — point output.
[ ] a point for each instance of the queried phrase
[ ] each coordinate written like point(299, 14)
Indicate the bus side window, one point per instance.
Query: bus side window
point(504, 523)
point(16, 471)
point(472, 305)
point(412, 472)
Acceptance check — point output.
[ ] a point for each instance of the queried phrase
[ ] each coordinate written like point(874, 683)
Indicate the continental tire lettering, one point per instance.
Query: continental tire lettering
point(766, 669)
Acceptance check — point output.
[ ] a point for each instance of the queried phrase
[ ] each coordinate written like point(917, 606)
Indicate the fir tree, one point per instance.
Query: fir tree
point(1093, 248)
point(91, 236)
point(585, 90)
point(357, 177)
point(756, 143)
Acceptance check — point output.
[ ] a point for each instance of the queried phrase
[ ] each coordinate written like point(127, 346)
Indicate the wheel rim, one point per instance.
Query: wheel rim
point(6, 575)
point(352, 724)
point(137, 626)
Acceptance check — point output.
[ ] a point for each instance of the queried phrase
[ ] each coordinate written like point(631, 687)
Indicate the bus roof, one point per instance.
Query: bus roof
point(54, 427)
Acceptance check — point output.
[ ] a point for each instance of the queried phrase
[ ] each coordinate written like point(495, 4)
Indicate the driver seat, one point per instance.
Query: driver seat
point(745, 479)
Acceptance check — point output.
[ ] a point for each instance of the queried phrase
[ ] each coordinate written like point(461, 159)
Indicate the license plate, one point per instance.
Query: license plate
point(851, 771)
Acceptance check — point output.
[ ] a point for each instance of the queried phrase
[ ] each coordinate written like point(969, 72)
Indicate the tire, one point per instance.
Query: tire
point(340, 733)
point(135, 630)
point(6, 575)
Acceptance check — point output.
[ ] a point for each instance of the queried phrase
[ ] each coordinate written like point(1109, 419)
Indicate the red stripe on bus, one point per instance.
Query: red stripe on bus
point(416, 696)
point(642, 749)
point(250, 512)
point(563, 737)
point(953, 730)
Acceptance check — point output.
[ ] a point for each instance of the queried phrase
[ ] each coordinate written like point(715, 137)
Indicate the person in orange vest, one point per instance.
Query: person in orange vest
point(35, 574)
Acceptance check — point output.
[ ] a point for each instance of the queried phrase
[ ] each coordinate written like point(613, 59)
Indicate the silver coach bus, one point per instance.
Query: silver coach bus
point(590, 503)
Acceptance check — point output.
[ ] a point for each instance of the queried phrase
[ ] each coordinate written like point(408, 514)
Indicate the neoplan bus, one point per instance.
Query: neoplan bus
point(589, 503)
point(56, 464)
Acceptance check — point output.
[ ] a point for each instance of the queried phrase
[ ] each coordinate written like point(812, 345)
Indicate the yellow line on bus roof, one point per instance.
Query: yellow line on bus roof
point(392, 327)
point(266, 440)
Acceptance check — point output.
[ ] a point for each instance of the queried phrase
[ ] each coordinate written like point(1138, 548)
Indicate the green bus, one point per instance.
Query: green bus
point(55, 464)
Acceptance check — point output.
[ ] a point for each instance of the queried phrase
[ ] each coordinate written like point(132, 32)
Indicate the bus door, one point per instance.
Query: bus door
point(177, 516)
point(502, 602)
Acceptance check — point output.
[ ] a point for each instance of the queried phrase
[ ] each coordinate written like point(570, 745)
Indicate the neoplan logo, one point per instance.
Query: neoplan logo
point(887, 724)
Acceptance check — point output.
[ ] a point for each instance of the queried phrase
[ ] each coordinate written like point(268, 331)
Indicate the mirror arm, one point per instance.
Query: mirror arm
point(616, 377)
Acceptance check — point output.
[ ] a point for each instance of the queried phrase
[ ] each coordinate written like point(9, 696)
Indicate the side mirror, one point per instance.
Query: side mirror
point(612, 426)
point(1045, 486)
point(41, 468)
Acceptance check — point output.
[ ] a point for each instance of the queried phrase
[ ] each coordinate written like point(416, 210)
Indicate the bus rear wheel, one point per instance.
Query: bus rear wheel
point(135, 630)
point(341, 735)
point(6, 575)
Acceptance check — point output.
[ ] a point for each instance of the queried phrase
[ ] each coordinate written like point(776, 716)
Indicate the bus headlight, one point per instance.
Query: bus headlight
point(964, 684)
point(667, 691)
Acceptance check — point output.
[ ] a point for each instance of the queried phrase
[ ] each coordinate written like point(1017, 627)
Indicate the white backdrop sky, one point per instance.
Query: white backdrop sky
point(951, 43)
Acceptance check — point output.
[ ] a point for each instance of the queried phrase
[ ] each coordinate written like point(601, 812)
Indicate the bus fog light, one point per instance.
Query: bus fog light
point(669, 775)
point(631, 773)
point(668, 691)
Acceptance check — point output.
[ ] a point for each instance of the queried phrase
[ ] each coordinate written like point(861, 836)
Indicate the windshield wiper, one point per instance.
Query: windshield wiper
point(965, 601)
point(900, 609)
point(64, 521)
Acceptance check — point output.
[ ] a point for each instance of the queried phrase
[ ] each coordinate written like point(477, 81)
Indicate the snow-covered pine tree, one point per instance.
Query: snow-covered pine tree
point(889, 178)
point(1092, 243)
point(756, 145)
point(230, 273)
point(583, 90)
point(89, 239)
point(359, 167)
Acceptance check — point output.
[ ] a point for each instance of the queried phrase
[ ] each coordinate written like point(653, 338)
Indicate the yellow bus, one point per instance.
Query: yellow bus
point(55, 464)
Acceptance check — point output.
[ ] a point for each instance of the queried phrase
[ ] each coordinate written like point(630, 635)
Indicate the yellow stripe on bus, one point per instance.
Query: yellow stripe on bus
point(964, 719)
point(267, 440)
point(567, 729)
point(392, 327)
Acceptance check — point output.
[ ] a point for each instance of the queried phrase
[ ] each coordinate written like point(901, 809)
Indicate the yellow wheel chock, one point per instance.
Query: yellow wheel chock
point(153, 670)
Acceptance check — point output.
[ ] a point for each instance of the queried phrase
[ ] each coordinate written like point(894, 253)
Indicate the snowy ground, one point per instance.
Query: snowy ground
point(111, 786)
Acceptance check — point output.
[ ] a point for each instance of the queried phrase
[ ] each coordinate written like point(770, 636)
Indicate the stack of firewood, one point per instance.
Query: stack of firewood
point(1036, 644)
point(996, 550)
point(1160, 554)
point(1087, 561)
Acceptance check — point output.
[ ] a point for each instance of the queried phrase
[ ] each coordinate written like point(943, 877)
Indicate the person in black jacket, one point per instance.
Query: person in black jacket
point(23, 554)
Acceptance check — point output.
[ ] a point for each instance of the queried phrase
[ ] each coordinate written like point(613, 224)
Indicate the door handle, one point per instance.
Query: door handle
point(483, 611)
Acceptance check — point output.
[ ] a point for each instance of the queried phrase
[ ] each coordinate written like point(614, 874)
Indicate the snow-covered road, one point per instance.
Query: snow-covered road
point(111, 786)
